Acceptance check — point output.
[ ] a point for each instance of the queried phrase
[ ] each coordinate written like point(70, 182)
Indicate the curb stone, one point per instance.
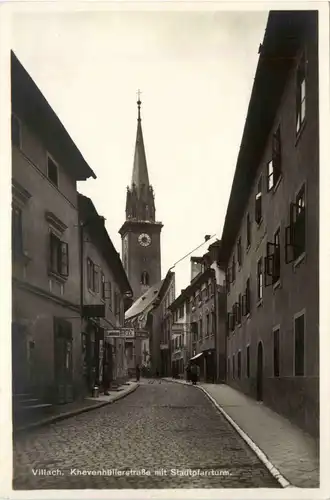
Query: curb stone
point(73, 413)
point(284, 483)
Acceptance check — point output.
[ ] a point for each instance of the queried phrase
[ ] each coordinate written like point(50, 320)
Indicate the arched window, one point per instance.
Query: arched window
point(145, 278)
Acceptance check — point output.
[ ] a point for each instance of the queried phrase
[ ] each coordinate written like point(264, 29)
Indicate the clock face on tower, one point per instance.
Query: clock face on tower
point(144, 239)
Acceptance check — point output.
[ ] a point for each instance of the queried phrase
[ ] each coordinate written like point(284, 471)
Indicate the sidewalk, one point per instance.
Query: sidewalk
point(61, 412)
point(283, 445)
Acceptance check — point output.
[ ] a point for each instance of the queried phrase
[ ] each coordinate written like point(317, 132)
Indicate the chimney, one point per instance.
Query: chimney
point(196, 267)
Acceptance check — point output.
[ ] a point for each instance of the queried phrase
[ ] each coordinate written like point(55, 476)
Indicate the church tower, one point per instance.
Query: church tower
point(140, 232)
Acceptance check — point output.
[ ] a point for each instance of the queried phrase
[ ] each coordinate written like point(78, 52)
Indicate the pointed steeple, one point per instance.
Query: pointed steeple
point(140, 196)
point(140, 171)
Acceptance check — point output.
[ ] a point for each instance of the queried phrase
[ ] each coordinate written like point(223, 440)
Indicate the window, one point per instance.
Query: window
point(299, 351)
point(248, 231)
point(92, 276)
point(246, 299)
point(273, 261)
point(213, 324)
point(276, 352)
point(233, 365)
point(17, 232)
point(59, 256)
point(200, 329)
point(145, 278)
point(248, 361)
point(239, 364)
point(102, 286)
point(259, 280)
point(96, 279)
point(274, 166)
point(258, 202)
point(301, 95)
point(207, 325)
point(15, 131)
point(52, 171)
point(295, 234)
point(239, 252)
point(239, 309)
point(233, 270)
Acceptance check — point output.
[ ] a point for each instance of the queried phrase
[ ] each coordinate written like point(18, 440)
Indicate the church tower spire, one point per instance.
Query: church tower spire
point(140, 203)
point(140, 170)
point(140, 232)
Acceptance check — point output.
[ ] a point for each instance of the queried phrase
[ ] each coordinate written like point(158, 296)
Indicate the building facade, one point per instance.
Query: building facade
point(140, 233)
point(46, 321)
point(147, 316)
point(105, 287)
point(271, 233)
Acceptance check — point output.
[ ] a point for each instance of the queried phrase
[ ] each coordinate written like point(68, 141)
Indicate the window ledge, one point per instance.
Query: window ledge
point(300, 132)
point(92, 291)
point(58, 277)
point(299, 260)
point(248, 316)
point(248, 248)
point(239, 325)
point(277, 285)
point(260, 302)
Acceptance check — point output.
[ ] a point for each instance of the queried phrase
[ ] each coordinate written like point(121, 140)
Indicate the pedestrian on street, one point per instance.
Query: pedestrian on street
point(194, 374)
point(188, 373)
point(157, 376)
point(138, 372)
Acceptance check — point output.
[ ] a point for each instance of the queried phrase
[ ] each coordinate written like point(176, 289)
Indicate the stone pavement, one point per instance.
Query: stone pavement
point(161, 436)
point(60, 412)
point(293, 452)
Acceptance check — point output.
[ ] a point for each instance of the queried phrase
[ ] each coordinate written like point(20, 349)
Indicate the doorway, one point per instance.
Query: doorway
point(260, 373)
point(63, 360)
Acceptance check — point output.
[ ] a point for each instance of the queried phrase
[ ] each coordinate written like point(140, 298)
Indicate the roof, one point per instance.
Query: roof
point(284, 33)
point(145, 301)
point(31, 106)
point(148, 298)
point(195, 283)
point(140, 171)
point(99, 234)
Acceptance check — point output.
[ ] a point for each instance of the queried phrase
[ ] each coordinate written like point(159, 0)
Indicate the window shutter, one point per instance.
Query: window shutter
point(289, 250)
point(64, 258)
point(248, 297)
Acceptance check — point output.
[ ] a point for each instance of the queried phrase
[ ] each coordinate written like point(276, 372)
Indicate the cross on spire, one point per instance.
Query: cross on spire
point(139, 103)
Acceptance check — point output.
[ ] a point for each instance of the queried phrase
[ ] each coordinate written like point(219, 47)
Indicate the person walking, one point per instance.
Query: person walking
point(138, 373)
point(194, 374)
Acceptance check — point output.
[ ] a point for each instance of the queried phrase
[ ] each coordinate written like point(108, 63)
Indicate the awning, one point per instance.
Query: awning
point(197, 356)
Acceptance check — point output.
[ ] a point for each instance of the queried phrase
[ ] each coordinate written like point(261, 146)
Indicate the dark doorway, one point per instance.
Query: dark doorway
point(63, 360)
point(260, 373)
point(20, 372)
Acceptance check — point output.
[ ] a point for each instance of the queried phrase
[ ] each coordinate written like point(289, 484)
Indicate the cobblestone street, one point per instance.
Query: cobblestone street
point(160, 431)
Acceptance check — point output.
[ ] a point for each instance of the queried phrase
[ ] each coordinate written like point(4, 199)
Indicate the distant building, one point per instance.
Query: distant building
point(270, 240)
point(148, 315)
point(46, 321)
point(198, 322)
point(105, 285)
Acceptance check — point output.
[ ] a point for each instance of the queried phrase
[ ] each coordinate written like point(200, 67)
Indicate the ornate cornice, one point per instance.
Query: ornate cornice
point(55, 222)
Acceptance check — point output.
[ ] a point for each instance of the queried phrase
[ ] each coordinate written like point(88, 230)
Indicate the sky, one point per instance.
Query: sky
point(195, 71)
